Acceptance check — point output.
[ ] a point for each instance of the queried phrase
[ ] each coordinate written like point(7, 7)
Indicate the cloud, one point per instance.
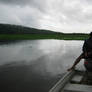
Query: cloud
point(27, 16)
point(58, 15)
point(7, 15)
point(15, 2)
point(22, 3)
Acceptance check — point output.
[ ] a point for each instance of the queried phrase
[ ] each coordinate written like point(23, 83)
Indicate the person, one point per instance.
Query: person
point(86, 55)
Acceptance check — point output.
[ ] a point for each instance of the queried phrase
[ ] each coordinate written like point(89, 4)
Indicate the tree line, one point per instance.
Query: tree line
point(18, 29)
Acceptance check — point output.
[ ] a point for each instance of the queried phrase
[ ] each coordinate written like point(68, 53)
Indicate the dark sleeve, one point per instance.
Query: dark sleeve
point(83, 55)
point(84, 46)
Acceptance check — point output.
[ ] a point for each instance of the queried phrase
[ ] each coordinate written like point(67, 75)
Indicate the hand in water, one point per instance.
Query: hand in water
point(70, 68)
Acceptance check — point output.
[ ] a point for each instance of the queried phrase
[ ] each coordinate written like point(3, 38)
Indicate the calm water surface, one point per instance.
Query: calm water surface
point(36, 65)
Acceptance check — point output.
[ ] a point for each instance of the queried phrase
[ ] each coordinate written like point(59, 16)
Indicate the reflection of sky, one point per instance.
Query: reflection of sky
point(61, 54)
point(18, 52)
point(49, 46)
point(50, 55)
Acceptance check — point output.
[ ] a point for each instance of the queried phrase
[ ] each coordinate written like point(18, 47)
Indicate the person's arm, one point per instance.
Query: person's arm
point(76, 62)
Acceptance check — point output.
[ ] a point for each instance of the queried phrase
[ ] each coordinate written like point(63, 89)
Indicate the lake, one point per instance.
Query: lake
point(36, 65)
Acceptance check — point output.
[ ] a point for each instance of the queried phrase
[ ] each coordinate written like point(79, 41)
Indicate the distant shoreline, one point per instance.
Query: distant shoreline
point(43, 36)
point(16, 32)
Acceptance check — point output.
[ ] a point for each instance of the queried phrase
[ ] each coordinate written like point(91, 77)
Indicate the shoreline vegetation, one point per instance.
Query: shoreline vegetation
point(4, 37)
point(18, 32)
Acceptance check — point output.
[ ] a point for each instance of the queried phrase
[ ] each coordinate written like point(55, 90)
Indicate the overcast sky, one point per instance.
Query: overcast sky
point(58, 15)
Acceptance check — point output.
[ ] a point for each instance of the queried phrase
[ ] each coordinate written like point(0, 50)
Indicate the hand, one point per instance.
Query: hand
point(70, 69)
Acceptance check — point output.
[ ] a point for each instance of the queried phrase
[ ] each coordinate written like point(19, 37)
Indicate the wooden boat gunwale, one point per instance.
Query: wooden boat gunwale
point(61, 84)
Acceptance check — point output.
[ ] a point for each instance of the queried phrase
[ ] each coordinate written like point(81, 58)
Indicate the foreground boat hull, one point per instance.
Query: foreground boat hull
point(73, 81)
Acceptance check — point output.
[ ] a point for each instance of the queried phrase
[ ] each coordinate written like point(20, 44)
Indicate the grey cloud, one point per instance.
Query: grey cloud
point(18, 2)
point(20, 15)
point(27, 13)
point(39, 4)
point(89, 1)
point(15, 2)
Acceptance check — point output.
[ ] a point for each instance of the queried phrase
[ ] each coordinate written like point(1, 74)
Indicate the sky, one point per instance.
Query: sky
point(68, 16)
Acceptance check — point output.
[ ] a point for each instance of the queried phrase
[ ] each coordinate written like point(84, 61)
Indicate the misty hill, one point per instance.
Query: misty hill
point(16, 29)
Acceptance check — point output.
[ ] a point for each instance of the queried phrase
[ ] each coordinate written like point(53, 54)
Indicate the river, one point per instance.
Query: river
point(36, 65)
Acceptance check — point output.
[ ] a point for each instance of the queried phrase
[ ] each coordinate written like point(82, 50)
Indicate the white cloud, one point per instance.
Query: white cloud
point(57, 15)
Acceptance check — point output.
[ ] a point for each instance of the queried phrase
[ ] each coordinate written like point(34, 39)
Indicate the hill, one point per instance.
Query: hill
point(16, 29)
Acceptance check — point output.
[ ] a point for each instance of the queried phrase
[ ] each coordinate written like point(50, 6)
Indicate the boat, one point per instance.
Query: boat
point(74, 81)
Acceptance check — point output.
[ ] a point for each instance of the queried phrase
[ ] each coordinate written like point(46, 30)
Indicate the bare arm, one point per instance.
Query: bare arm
point(76, 62)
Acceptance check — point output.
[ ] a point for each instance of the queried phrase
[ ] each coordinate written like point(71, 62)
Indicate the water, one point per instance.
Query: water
point(36, 65)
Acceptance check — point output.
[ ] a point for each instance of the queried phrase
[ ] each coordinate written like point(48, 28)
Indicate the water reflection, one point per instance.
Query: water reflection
point(37, 64)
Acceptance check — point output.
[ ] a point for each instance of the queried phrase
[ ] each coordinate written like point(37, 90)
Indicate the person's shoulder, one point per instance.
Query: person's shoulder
point(88, 39)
